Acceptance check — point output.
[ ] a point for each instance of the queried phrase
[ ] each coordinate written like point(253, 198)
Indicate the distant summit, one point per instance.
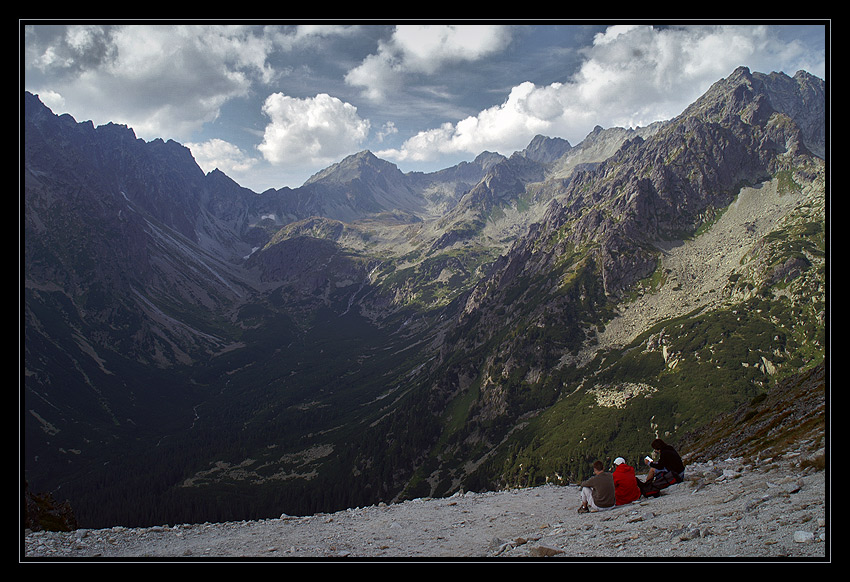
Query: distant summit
point(546, 149)
point(363, 165)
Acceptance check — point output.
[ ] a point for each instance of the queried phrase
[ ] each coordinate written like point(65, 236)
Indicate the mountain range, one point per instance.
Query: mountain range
point(196, 351)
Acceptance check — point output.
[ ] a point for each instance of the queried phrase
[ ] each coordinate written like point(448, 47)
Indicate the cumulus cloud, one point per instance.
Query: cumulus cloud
point(310, 131)
point(161, 80)
point(502, 128)
point(217, 153)
point(424, 49)
point(631, 76)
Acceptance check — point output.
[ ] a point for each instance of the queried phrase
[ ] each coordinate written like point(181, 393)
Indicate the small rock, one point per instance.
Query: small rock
point(505, 547)
point(689, 534)
point(544, 552)
point(728, 474)
point(795, 487)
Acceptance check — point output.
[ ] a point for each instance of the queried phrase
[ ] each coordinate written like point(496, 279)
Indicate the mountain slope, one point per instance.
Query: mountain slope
point(230, 355)
point(522, 329)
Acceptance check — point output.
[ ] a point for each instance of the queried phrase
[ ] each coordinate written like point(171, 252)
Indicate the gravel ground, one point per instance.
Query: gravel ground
point(724, 510)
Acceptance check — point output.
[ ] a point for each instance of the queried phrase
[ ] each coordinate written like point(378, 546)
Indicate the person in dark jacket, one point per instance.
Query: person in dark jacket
point(667, 470)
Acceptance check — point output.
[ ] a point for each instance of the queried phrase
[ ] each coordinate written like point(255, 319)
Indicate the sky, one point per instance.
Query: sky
point(272, 103)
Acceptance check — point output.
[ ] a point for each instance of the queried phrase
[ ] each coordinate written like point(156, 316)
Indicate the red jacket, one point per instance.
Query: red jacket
point(625, 484)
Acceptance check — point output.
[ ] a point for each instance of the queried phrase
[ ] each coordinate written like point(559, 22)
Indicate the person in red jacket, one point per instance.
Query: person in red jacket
point(625, 482)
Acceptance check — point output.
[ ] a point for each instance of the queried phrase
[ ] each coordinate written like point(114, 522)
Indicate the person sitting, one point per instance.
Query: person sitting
point(625, 482)
point(597, 493)
point(667, 470)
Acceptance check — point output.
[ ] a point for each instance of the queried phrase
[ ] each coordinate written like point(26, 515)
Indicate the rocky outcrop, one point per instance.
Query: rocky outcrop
point(546, 150)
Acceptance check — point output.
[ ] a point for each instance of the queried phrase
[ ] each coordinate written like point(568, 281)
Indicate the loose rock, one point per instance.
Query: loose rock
point(772, 510)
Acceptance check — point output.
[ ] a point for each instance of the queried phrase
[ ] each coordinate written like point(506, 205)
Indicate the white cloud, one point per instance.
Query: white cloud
point(378, 75)
point(217, 153)
point(52, 100)
point(631, 76)
point(289, 38)
point(161, 80)
point(387, 130)
point(503, 128)
point(424, 49)
point(310, 131)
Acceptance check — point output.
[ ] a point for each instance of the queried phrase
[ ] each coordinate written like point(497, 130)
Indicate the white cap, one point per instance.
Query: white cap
point(619, 461)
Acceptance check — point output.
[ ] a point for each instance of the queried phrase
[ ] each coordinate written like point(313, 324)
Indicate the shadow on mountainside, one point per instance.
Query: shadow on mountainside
point(793, 412)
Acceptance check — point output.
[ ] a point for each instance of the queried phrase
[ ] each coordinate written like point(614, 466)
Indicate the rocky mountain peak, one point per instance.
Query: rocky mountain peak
point(753, 97)
point(487, 160)
point(362, 165)
point(545, 149)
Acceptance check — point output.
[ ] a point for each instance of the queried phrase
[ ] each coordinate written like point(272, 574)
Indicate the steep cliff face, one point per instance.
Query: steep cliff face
point(111, 229)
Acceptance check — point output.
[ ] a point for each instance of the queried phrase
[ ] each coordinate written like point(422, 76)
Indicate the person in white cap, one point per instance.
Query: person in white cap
point(625, 482)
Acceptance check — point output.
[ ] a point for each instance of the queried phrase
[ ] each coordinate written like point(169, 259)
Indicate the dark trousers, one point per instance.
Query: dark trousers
point(661, 480)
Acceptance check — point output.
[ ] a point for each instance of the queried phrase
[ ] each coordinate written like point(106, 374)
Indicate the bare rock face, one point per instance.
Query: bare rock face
point(668, 185)
point(546, 150)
